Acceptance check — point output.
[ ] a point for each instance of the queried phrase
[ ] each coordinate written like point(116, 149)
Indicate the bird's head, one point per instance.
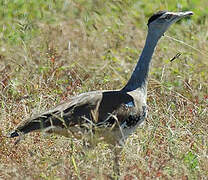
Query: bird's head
point(159, 22)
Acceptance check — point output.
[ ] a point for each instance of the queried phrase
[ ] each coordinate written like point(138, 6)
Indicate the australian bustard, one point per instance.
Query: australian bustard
point(111, 115)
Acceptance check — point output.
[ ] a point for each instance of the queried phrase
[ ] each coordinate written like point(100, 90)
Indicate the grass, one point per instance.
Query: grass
point(52, 50)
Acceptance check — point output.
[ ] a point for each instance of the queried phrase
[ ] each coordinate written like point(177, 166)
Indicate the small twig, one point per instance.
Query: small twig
point(21, 137)
point(179, 41)
point(175, 57)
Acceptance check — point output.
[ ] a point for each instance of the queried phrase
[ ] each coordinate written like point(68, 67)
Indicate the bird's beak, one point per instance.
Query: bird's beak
point(185, 14)
point(180, 15)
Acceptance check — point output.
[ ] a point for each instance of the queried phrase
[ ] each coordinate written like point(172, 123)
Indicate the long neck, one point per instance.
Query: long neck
point(138, 78)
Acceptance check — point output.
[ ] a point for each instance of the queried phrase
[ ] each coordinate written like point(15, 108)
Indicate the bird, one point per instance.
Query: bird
point(107, 115)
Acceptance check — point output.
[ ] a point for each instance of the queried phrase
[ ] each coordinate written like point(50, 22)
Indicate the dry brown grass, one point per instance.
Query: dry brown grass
point(37, 74)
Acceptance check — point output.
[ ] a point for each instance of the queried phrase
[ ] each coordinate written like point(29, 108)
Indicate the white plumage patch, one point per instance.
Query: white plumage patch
point(129, 104)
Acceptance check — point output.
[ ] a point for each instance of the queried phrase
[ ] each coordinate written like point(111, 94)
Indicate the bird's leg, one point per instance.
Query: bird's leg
point(116, 168)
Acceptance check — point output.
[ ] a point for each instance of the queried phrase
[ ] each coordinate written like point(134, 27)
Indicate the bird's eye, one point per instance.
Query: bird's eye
point(168, 16)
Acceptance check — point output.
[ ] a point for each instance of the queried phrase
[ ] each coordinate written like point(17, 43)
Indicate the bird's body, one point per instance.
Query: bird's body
point(113, 115)
point(119, 112)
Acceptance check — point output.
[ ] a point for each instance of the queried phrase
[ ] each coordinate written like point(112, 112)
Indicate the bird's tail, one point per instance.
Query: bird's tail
point(38, 123)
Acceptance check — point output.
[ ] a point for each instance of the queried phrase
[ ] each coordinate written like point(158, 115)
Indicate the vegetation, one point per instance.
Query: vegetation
point(53, 49)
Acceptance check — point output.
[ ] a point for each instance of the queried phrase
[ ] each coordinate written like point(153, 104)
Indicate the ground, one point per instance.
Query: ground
point(51, 50)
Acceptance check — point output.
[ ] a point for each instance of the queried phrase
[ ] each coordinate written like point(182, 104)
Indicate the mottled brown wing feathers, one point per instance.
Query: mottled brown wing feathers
point(97, 107)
